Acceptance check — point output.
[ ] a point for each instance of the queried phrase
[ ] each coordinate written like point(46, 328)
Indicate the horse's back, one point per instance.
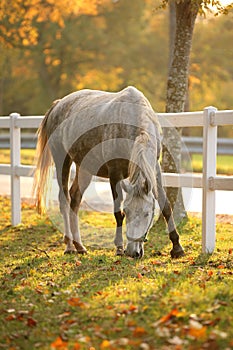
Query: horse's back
point(86, 102)
point(101, 115)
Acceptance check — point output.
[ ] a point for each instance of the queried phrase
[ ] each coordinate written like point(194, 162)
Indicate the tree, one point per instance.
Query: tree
point(177, 82)
point(87, 52)
point(19, 18)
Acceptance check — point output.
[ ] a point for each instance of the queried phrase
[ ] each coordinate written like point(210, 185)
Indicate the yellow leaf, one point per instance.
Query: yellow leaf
point(105, 344)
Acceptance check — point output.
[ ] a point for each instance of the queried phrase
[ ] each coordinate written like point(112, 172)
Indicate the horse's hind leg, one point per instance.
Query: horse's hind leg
point(165, 207)
point(80, 183)
point(63, 163)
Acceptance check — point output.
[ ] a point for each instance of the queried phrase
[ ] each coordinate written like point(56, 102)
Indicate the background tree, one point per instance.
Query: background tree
point(118, 44)
point(186, 12)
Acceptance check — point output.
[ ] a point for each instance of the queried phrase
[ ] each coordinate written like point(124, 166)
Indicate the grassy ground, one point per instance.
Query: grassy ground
point(224, 163)
point(99, 301)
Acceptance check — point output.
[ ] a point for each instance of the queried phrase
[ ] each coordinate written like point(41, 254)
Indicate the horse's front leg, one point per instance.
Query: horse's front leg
point(118, 241)
point(164, 204)
point(119, 216)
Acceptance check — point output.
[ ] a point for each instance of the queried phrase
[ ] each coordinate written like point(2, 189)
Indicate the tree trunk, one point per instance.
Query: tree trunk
point(186, 13)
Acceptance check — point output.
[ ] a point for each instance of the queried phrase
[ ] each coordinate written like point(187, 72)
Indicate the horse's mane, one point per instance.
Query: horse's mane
point(141, 173)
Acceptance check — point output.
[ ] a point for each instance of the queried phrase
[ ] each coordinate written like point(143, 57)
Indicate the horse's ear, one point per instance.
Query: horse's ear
point(126, 185)
point(147, 187)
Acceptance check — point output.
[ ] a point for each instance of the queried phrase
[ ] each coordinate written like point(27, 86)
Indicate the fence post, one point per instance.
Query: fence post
point(209, 171)
point(15, 146)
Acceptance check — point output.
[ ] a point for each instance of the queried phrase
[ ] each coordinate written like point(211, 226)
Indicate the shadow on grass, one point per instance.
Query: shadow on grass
point(98, 289)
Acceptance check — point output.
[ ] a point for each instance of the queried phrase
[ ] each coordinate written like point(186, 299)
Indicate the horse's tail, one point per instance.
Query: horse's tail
point(43, 164)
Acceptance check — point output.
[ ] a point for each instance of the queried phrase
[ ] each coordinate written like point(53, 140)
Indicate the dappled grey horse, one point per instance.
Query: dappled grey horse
point(115, 136)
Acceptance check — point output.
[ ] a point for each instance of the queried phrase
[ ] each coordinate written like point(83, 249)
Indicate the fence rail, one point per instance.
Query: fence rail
point(194, 145)
point(209, 119)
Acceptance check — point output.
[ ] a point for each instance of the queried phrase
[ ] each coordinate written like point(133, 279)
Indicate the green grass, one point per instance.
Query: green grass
point(49, 300)
point(224, 162)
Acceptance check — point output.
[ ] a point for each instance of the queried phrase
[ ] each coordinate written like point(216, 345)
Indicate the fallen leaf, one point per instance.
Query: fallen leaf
point(139, 275)
point(172, 313)
point(77, 302)
point(139, 331)
point(59, 344)
point(74, 301)
point(156, 262)
point(195, 324)
point(175, 340)
point(221, 266)
point(131, 323)
point(65, 314)
point(10, 317)
point(163, 332)
point(144, 346)
point(197, 330)
point(132, 308)
point(123, 341)
point(10, 310)
point(223, 335)
point(117, 262)
point(85, 339)
point(31, 322)
point(105, 344)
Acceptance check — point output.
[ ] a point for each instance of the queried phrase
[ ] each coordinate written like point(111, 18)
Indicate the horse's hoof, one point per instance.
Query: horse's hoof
point(70, 251)
point(177, 252)
point(120, 251)
point(80, 248)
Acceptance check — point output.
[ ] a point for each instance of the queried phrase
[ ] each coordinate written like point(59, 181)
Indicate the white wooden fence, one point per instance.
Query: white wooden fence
point(209, 119)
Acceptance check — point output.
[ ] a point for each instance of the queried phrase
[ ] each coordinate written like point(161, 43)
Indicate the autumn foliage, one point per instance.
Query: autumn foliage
point(20, 19)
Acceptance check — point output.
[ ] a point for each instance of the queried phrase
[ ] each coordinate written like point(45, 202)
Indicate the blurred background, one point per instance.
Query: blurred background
point(50, 48)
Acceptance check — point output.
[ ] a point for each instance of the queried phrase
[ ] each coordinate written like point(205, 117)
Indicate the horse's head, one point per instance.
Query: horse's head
point(139, 211)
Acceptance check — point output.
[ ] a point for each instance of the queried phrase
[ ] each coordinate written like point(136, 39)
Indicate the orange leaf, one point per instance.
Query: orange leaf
point(59, 344)
point(139, 275)
point(139, 332)
point(77, 346)
point(230, 250)
point(221, 266)
point(210, 273)
point(74, 301)
point(10, 317)
point(77, 302)
point(198, 333)
point(109, 307)
point(173, 312)
point(156, 262)
point(132, 308)
point(131, 323)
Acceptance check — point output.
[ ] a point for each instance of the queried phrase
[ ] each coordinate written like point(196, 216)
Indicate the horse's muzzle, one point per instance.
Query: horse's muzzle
point(135, 250)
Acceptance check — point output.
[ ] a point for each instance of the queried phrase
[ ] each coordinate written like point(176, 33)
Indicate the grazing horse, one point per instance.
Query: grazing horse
point(111, 135)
